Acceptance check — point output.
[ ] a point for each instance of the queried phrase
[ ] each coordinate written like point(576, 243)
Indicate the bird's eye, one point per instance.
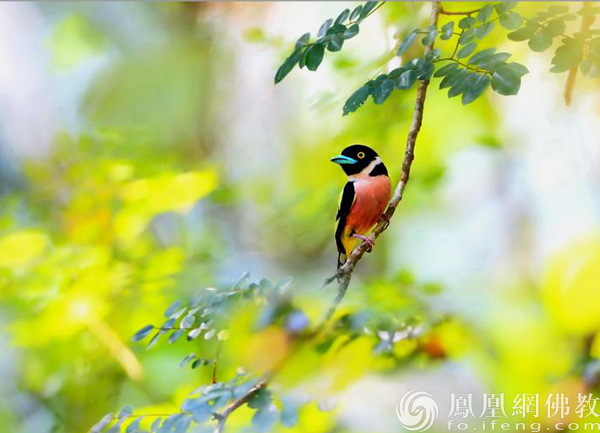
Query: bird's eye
point(361, 155)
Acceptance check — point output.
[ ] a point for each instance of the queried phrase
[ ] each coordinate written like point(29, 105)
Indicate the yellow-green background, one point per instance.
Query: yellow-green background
point(145, 155)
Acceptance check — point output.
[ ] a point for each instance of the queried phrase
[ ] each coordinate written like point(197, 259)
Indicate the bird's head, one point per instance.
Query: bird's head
point(358, 159)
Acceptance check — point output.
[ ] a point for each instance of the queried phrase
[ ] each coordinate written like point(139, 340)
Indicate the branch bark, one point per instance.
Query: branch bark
point(586, 22)
point(344, 273)
point(222, 417)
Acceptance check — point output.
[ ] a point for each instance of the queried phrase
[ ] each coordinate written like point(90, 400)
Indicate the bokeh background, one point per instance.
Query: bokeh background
point(145, 155)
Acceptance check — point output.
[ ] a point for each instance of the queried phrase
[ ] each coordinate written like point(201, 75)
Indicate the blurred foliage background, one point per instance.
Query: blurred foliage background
point(146, 156)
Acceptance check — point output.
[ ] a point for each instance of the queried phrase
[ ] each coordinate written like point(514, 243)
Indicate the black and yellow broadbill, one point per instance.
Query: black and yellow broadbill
point(364, 197)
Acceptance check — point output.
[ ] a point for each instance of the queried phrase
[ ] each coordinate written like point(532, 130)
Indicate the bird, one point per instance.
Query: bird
point(363, 200)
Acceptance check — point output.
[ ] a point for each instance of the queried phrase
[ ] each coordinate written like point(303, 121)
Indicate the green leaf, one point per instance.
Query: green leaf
point(589, 11)
point(466, 50)
point(134, 426)
point(126, 411)
point(429, 38)
point(511, 20)
point(260, 399)
point(425, 69)
point(368, 7)
point(356, 100)
point(554, 28)
point(492, 62)
point(523, 33)
point(265, 418)
point(466, 37)
point(459, 86)
point(453, 77)
point(476, 85)
point(175, 336)
point(433, 54)
point(343, 16)
point(590, 67)
point(568, 55)
point(506, 80)
point(155, 424)
point(287, 65)
point(324, 27)
point(101, 425)
point(447, 30)
point(336, 29)
point(518, 68)
point(355, 13)
point(142, 333)
point(467, 22)
point(540, 42)
point(485, 13)
point(154, 339)
point(445, 70)
point(408, 40)
point(172, 308)
point(289, 413)
point(314, 56)
point(407, 79)
point(480, 55)
point(302, 40)
point(115, 428)
point(336, 43)
point(397, 72)
point(382, 91)
point(194, 333)
point(185, 360)
point(182, 424)
point(187, 321)
point(483, 30)
point(351, 31)
point(501, 8)
point(202, 413)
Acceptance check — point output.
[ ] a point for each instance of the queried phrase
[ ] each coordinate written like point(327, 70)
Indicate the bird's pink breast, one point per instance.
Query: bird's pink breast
point(372, 196)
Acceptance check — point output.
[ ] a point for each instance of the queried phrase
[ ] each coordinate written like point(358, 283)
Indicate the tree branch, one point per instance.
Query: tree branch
point(222, 417)
point(586, 22)
point(344, 273)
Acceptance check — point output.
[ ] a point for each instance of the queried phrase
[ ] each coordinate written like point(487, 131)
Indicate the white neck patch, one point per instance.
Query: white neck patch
point(364, 174)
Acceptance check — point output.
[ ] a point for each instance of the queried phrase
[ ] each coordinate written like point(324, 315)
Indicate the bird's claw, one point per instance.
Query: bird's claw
point(385, 219)
point(368, 240)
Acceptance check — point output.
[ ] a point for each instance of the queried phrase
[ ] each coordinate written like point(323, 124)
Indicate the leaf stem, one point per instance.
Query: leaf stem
point(464, 65)
point(468, 13)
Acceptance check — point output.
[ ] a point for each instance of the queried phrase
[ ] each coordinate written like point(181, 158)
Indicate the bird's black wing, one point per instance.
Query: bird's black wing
point(346, 202)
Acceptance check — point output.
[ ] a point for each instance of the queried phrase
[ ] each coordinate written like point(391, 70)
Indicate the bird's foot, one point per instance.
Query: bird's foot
point(386, 220)
point(367, 240)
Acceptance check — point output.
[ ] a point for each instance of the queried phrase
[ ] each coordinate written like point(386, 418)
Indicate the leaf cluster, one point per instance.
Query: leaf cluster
point(331, 37)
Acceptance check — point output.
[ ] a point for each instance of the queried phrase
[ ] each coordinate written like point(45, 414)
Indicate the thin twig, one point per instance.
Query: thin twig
point(468, 13)
point(222, 417)
point(344, 273)
point(214, 372)
point(464, 65)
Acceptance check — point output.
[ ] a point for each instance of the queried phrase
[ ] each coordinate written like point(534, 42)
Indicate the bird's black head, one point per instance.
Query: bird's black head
point(356, 158)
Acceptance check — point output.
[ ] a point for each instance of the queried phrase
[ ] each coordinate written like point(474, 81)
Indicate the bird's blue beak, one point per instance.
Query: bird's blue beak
point(341, 159)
